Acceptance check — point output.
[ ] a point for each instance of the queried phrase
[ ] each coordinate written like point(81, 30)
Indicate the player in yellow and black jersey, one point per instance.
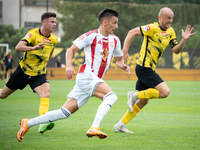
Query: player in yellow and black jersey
point(154, 44)
point(157, 36)
point(34, 62)
point(38, 46)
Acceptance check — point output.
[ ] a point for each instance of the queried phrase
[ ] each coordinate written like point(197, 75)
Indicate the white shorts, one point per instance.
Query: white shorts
point(85, 87)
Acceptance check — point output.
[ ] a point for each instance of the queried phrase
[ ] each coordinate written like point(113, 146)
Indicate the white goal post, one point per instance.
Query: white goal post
point(5, 45)
point(1, 50)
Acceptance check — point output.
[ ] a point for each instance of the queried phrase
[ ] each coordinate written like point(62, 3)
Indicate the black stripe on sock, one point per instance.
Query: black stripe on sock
point(65, 112)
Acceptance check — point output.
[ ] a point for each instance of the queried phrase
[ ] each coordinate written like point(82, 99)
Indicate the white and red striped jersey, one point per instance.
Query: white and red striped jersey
point(98, 51)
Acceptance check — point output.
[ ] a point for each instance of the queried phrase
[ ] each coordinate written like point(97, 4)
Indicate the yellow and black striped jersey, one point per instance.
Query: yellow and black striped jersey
point(34, 62)
point(154, 44)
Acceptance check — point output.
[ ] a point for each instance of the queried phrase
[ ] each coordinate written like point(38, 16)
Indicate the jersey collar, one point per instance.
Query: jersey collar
point(43, 35)
point(161, 27)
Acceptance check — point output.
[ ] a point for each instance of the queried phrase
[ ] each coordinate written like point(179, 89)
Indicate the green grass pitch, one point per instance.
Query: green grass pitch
point(172, 123)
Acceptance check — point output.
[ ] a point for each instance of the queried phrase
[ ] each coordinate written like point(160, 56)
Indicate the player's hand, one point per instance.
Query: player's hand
point(188, 32)
point(39, 46)
point(70, 72)
point(125, 56)
point(127, 69)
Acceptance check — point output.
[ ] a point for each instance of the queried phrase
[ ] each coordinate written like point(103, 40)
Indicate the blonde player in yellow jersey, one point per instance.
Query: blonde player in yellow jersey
point(38, 46)
point(157, 36)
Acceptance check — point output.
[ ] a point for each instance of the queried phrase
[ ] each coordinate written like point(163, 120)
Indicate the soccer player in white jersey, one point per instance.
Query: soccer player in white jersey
point(99, 47)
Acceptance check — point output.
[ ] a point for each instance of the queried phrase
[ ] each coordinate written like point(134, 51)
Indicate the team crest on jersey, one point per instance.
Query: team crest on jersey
point(104, 54)
point(112, 44)
point(46, 40)
point(28, 35)
point(146, 28)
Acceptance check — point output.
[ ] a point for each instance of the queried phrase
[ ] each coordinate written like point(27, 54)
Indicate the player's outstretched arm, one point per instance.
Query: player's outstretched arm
point(185, 35)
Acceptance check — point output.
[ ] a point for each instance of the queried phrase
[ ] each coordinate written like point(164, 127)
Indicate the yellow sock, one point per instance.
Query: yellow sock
point(148, 94)
point(128, 116)
point(0, 89)
point(44, 106)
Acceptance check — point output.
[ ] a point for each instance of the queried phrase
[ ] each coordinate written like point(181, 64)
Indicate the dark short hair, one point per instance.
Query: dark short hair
point(47, 15)
point(107, 13)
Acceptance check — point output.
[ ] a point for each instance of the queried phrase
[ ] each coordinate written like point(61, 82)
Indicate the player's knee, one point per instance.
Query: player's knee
point(110, 98)
point(2, 96)
point(166, 93)
point(46, 94)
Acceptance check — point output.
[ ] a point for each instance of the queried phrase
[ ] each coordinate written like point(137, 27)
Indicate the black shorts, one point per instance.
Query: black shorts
point(147, 78)
point(19, 80)
point(8, 67)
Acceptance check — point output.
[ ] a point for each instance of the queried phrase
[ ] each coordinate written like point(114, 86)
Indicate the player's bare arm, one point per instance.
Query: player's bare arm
point(69, 54)
point(119, 61)
point(22, 47)
point(185, 35)
point(130, 36)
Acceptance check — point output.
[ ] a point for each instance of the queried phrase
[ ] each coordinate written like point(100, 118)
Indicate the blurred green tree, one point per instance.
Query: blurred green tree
point(80, 17)
point(11, 36)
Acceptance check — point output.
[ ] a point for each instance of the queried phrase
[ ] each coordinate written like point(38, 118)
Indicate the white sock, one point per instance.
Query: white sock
point(50, 116)
point(120, 123)
point(108, 100)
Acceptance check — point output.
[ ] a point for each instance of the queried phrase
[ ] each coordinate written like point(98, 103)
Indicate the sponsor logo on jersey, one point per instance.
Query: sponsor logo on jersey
point(99, 42)
point(28, 35)
point(164, 33)
point(46, 40)
point(146, 28)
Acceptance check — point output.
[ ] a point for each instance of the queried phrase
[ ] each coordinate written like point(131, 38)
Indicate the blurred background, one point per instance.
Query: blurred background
point(75, 17)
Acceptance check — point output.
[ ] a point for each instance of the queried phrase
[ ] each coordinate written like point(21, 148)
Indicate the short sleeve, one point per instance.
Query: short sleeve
point(147, 30)
point(29, 37)
point(81, 41)
point(117, 52)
